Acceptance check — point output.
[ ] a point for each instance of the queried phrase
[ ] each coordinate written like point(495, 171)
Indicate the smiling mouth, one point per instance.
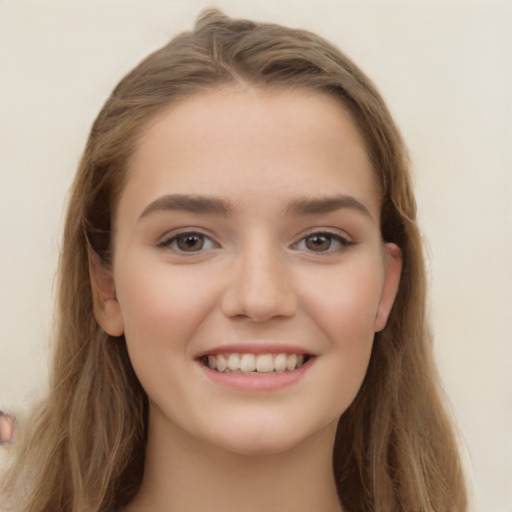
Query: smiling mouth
point(254, 364)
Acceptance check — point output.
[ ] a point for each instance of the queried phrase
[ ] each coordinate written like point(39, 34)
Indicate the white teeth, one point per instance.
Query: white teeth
point(252, 363)
point(280, 363)
point(222, 364)
point(234, 362)
point(247, 364)
point(265, 363)
point(291, 362)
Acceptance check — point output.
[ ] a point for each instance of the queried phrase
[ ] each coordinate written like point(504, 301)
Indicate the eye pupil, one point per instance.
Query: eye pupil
point(318, 242)
point(190, 243)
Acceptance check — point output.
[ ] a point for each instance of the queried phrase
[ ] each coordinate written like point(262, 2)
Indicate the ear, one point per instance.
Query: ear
point(393, 269)
point(105, 305)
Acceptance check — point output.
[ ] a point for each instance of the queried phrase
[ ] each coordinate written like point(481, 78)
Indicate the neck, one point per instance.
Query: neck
point(185, 474)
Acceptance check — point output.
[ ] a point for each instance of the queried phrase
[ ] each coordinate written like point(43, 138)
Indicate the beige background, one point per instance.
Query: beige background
point(444, 68)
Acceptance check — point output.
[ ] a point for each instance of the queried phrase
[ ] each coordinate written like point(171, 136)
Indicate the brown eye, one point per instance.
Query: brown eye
point(187, 242)
point(318, 243)
point(190, 242)
point(322, 242)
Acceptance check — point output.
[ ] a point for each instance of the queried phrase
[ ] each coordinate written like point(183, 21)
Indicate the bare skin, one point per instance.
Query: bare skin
point(299, 480)
point(6, 429)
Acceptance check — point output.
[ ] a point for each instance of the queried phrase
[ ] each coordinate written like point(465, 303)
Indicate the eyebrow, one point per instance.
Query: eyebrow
point(189, 203)
point(315, 206)
point(217, 206)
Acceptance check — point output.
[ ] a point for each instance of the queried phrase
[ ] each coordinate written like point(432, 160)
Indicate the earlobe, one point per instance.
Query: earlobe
point(393, 269)
point(106, 307)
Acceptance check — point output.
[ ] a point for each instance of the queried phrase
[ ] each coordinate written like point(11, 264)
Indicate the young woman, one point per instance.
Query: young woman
point(242, 296)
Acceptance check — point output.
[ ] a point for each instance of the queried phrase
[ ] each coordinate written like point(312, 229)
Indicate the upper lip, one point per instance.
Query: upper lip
point(254, 348)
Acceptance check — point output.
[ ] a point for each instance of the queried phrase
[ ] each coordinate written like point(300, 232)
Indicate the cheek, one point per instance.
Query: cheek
point(161, 306)
point(344, 304)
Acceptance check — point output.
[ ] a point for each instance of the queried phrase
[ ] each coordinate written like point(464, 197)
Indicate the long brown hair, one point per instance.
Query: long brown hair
point(395, 448)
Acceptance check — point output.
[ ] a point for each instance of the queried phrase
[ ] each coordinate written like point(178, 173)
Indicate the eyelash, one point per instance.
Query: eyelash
point(172, 241)
point(342, 241)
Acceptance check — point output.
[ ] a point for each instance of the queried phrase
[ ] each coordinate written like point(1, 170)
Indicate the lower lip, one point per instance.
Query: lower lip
point(258, 382)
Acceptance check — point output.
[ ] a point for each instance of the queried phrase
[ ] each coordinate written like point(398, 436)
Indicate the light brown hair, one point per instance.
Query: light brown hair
point(395, 447)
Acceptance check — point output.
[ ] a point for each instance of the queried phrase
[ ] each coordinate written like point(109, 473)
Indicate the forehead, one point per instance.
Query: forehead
point(236, 139)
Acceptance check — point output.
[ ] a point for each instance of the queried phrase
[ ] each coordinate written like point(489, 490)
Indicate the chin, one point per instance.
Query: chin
point(262, 440)
point(259, 447)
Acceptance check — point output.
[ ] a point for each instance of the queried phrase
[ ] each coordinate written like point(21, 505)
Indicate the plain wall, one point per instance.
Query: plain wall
point(445, 70)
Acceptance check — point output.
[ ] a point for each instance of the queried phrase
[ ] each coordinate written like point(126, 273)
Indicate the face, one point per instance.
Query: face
point(249, 271)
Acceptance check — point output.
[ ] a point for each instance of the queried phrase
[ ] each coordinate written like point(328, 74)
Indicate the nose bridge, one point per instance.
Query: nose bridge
point(261, 286)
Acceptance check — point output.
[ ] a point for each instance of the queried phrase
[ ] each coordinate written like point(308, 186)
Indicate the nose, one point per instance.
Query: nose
point(260, 286)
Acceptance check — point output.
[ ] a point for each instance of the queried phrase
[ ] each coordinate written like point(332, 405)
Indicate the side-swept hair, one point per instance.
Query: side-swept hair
point(395, 447)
